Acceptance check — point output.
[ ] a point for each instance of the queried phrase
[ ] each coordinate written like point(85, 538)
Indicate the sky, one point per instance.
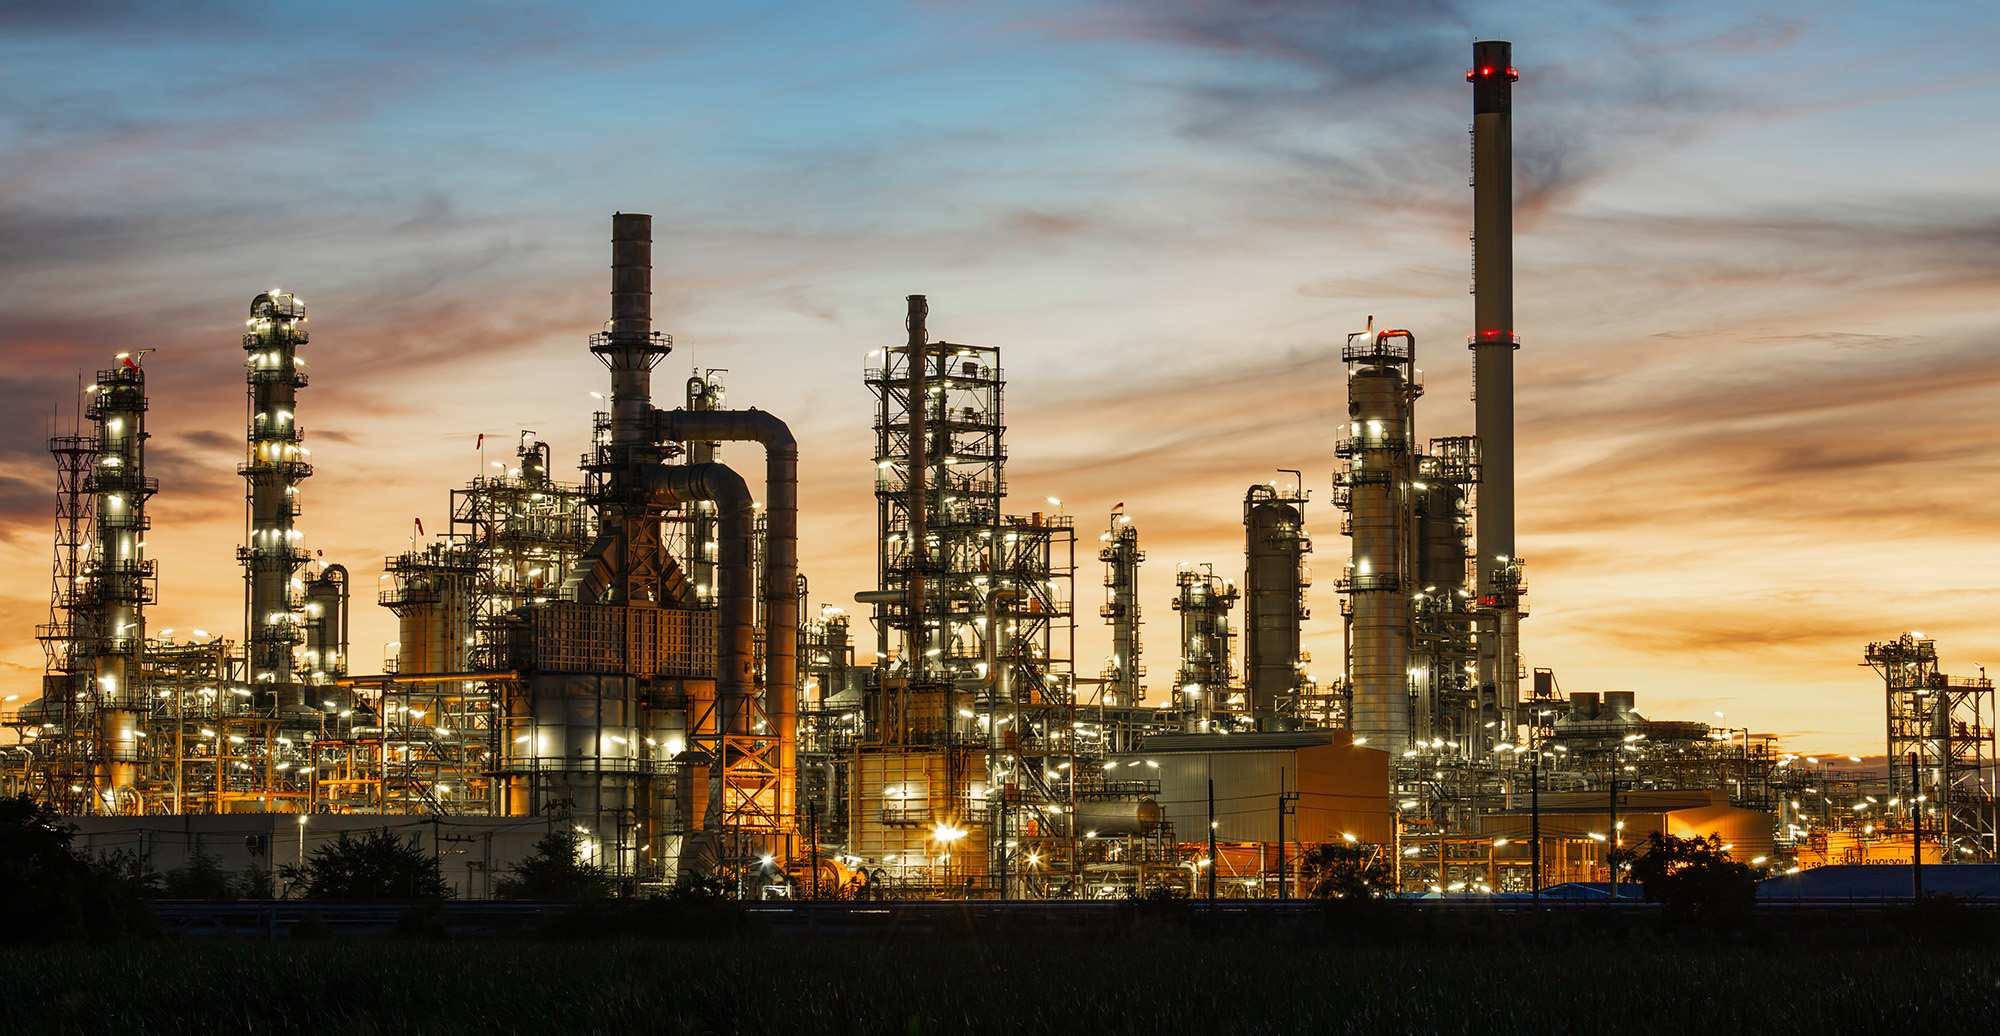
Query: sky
point(1757, 283)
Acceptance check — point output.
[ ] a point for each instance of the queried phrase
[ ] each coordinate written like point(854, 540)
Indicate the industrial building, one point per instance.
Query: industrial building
point(623, 651)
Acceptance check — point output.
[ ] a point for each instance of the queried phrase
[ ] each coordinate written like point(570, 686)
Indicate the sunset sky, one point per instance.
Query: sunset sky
point(1758, 283)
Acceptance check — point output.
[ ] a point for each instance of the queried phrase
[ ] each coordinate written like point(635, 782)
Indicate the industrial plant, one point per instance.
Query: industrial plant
point(626, 647)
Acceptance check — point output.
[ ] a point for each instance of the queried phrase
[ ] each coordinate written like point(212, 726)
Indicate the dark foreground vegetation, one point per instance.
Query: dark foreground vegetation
point(89, 946)
point(1102, 988)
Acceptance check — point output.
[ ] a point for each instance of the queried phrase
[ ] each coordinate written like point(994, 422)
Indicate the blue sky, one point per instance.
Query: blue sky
point(1758, 247)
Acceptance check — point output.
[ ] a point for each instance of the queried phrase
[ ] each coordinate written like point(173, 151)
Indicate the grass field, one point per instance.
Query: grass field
point(1090, 988)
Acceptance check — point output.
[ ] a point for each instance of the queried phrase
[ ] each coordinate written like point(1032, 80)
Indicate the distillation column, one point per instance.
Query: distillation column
point(274, 467)
point(119, 581)
point(1493, 343)
point(1274, 599)
point(1121, 556)
point(1204, 600)
point(326, 609)
point(1380, 397)
point(704, 392)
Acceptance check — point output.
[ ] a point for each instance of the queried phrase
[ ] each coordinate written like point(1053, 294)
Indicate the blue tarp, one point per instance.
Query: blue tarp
point(1879, 881)
point(1593, 890)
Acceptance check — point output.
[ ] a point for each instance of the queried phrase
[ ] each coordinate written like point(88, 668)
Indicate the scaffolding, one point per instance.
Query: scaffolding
point(1941, 748)
point(524, 532)
point(971, 722)
point(62, 757)
point(410, 745)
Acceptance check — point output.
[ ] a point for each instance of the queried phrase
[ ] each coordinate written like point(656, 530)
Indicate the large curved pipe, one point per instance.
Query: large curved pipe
point(781, 565)
point(736, 609)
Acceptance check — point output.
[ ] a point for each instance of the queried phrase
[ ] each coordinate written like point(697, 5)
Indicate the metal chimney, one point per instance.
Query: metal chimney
point(1493, 343)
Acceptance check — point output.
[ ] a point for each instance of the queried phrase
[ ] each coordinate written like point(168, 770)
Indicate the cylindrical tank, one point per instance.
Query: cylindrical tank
point(1275, 546)
point(580, 741)
point(434, 605)
point(1120, 816)
point(326, 609)
point(1443, 531)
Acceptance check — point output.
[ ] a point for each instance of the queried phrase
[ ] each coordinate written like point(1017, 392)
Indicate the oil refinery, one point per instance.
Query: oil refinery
point(629, 647)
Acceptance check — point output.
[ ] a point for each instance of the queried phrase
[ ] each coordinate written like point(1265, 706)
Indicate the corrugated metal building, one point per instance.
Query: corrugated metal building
point(1342, 788)
point(1685, 814)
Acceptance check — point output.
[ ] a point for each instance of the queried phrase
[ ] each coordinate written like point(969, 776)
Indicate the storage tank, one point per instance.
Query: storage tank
point(1109, 817)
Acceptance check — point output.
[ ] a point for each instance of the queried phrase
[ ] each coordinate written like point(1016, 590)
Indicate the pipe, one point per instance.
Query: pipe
point(1493, 344)
point(736, 608)
point(781, 561)
point(919, 478)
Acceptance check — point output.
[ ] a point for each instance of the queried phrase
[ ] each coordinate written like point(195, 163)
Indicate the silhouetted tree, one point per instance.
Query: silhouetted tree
point(377, 865)
point(1340, 870)
point(556, 870)
point(1691, 876)
point(54, 892)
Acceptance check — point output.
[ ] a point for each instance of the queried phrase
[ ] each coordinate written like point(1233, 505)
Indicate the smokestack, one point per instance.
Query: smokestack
point(1493, 343)
point(628, 349)
point(631, 273)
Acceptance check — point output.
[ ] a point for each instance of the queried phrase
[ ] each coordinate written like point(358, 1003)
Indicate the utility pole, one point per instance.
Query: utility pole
point(1211, 841)
point(1916, 826)
point(812, 841)
point(1287, 802)
point(1535, 822)
point(1612, 852)
point(1003, 840)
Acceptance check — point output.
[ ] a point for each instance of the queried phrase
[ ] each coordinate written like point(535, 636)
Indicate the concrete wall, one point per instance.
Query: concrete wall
point(472, 851)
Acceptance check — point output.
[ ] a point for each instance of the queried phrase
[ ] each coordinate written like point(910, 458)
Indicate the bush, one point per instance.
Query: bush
point(555, 870)
point(201, 878)
point(700, 888)
point(378, 865)
point(256, 883)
